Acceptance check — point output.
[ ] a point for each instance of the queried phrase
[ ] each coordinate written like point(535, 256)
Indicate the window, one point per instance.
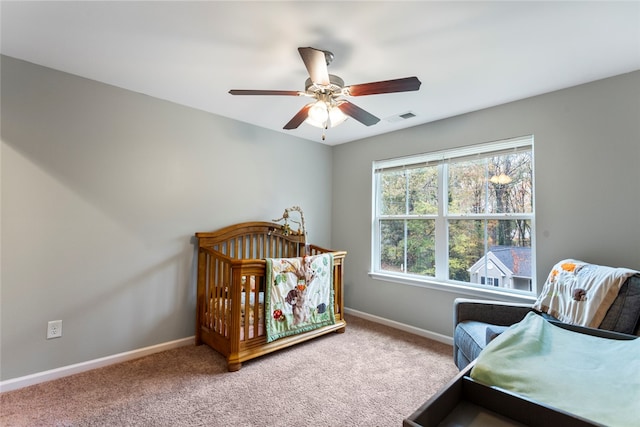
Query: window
point(462, 216)
point(491, 281)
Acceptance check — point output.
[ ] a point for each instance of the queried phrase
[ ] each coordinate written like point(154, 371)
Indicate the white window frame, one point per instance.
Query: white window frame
point(441, 281)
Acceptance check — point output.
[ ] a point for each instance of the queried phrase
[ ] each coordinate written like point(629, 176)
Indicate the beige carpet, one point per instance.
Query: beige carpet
point(371, 375)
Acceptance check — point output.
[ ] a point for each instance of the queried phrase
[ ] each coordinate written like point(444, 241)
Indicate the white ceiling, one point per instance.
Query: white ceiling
point(468, 55)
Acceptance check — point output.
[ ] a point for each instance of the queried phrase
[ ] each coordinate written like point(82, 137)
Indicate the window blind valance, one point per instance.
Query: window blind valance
point(479, 151)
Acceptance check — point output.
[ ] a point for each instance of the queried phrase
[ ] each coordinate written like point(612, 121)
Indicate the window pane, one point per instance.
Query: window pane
point(510, 187)
point(421, 255)
point(423, 190)
point(392, 238)
point(466, 247)
point(499, 184)
point(507, 263)
point(467, 187)
point(393, 193)
point(514, 232)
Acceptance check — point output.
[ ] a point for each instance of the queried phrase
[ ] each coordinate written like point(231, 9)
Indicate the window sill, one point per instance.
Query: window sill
point(421, 282)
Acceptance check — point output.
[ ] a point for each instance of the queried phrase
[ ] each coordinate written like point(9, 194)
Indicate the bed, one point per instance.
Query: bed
point(233, 293)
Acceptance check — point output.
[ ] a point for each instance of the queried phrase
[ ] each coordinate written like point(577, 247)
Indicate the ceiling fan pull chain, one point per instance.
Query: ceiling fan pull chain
point(326, 124)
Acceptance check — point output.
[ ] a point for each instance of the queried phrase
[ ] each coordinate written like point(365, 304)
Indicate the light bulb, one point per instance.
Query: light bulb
point(336, 116)
point(318, 113)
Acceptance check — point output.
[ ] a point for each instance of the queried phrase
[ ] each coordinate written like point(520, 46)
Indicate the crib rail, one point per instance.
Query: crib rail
point(254, 240)
point(229, 297)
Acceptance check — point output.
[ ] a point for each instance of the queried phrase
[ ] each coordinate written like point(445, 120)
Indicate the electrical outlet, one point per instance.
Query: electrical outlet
point(54, 329)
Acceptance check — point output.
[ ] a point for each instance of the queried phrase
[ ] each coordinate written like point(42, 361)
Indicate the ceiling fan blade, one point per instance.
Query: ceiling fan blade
point(358, 113)
point(300, 117)
point(316, 63)
point(406, 84)
point(265, 92)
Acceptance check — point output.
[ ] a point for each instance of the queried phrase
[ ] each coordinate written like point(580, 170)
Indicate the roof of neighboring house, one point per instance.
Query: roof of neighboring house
point(515, 258)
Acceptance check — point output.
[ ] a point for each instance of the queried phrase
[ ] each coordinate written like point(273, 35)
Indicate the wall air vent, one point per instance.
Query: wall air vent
point(400, 117)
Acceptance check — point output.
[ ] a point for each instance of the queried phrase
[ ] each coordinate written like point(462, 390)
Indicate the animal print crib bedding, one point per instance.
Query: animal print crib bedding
point(299, 295)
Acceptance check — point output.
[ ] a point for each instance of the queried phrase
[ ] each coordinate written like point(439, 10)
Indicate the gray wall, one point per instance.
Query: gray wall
point(587, 188)
point(102, 190)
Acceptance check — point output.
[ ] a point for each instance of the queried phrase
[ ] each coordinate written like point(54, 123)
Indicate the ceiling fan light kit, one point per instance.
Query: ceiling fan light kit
point(325, 113)
point(330, 108)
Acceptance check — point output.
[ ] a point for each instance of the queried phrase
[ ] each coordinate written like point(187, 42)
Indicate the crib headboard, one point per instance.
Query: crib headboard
point(254, 240)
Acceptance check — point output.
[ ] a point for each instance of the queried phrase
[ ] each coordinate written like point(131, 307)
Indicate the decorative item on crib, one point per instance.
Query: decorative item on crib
point(287, 228)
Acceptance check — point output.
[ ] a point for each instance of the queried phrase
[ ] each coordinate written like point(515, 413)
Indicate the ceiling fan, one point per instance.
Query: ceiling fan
point(330, 108)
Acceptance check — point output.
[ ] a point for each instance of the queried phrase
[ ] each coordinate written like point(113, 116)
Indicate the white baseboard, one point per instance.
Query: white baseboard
point(64, 371)
point(40, 377)
point(403, 327)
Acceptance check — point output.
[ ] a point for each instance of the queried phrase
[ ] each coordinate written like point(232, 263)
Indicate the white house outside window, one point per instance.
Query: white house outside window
point(463, 216)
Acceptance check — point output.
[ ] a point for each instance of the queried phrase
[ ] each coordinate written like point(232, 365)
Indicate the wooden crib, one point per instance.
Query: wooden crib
point(231, 285)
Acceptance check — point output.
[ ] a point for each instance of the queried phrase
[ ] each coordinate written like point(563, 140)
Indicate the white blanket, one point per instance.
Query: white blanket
point(580, 293)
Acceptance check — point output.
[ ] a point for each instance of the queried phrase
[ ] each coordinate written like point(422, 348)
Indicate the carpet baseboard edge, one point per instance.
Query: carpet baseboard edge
point(64, 371)
point(53, 374)
point(402, 326)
